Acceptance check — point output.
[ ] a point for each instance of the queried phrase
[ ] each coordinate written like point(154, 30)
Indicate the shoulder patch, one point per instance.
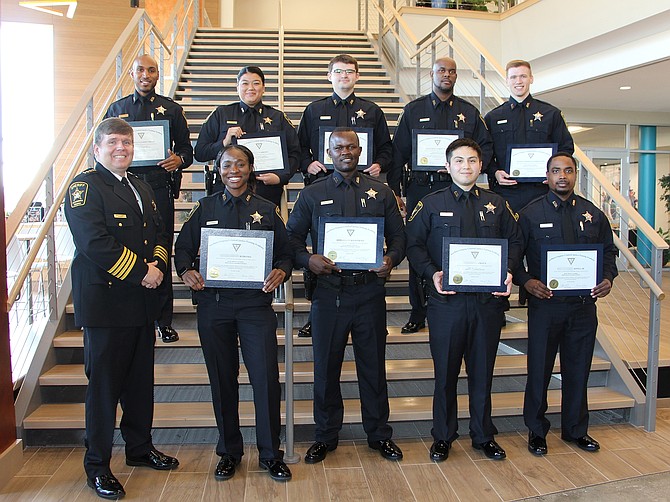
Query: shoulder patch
point(192, 211)
point(288, 120)
point(78, 192)
point(514, 215)
point(416, 211)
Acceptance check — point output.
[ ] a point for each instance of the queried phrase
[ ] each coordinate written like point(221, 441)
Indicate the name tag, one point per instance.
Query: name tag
point(446, 213)
point(122, 216)
point(326, 202)
point(425, 119)
point(546, 225)
point(503, 121)
point(231, 122)
point(212, 222)
point(325, 117)
point(123, 115)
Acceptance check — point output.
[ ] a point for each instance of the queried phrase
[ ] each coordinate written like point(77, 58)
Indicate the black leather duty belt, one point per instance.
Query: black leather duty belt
point(355, 279)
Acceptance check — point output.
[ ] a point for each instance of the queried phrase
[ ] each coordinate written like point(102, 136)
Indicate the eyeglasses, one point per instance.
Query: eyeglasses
point(338, 71)
point(451, 71)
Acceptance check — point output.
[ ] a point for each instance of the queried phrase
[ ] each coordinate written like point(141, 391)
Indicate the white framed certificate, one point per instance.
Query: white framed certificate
point(152, 141)
point(529, 162)
point(352, 243)
point(269, 149)
point(571, 269)
point(474, 265)
point(231, 258)
point(365, 141)
point(429, 147)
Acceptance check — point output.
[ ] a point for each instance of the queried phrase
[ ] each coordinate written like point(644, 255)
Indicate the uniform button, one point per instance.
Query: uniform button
point(145, 260)
point(120, 224)
point(145, 224)
point(110, 283)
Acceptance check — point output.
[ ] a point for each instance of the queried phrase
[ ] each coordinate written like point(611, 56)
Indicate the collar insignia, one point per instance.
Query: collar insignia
point(371, 194)
point(161, 110)
point(360, 114)
point(588, 217)
point(538, 116)
point(152, 99)
point(554, 203)
point(490, 208)
point(256, 217)
point(267, 120)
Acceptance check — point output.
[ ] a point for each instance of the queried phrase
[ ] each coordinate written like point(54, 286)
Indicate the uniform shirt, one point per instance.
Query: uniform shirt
point(440, 214)
point(157, 107)
point(350, 112)
point(219, 211)
point(540, 223)
point(429, 112)
point(529, 122)
point(114, 240)
point(325, 197)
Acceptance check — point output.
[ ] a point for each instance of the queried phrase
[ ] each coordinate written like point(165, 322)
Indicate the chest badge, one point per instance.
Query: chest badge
point(256, 217)
point(372, 194)
point(588, 217)
point(490, 208)
point(267, 120)
point(538, 116)
point(160, 110)
point(461, 117)
point(360, 114)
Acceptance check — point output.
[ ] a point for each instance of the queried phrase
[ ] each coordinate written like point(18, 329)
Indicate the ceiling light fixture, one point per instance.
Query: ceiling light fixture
point(42, 6)
point(625, 88)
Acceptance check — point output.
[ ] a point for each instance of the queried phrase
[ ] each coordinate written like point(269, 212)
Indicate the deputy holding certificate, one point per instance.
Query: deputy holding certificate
point(462, 324)
point(347, 300)
point(554, 321)
point(225, 314)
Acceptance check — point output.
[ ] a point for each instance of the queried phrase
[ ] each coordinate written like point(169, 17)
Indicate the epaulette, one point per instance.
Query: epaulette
point(89, 170)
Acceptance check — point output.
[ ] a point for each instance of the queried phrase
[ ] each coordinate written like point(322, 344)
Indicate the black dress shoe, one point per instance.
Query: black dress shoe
point(155, 460)
point(387, 448)
point(317, 452)
point(168, 334)
point(412, 327)
point(491, 449)
point(537, 445)
point(586, 442)
point(225, 469)
point(277, 469)
point(106, 486)
point(439, 451)
point(306, 330)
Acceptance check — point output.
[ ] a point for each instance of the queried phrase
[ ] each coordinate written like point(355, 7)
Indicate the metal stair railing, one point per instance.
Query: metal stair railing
point(627, 318)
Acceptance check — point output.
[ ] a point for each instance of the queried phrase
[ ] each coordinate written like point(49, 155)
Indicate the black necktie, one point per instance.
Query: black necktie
point(143, 115)
point(566, 224)
point(521, 131)
point(349, 198)
point(469, 222)
point(233, 220)
point(126, 186)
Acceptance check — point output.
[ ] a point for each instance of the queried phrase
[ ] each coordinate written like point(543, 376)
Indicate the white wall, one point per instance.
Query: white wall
point(329, 15)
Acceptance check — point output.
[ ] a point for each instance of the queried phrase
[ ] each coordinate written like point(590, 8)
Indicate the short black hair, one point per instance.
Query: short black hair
point(343, 129)
point(562, 154)
point(469, 142)
point(251, 69)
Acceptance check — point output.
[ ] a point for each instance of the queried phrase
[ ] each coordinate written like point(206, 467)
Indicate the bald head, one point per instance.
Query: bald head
point(144, 73)
point(443, 76)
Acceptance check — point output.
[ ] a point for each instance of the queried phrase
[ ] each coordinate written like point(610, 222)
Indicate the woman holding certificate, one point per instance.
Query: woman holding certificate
point(244, 257)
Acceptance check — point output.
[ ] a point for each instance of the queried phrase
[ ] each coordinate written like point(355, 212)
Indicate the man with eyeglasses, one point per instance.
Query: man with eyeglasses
point(438, 110)
point(342, 109)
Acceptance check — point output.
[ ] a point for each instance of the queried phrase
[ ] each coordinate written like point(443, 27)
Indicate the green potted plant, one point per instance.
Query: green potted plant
point(664, 181)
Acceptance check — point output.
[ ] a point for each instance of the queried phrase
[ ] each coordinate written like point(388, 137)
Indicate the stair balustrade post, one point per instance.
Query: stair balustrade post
point(433, 50)
point(140, 33)
point(90, 161)
point(196, 14)
point(418, 74)
point(380, 25)
point(161, 67)
point(185, 30)
point(119, 70)
point(173, 41)
point(397, 54)
point(50, 237)
point(450, 32)
point(654, 342)
point(152, 44)
point(366, 16)
point(482, 89)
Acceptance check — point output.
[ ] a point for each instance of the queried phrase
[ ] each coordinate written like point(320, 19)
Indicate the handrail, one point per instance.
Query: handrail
point(439, 27)
point(653, 287)
point(475, 43)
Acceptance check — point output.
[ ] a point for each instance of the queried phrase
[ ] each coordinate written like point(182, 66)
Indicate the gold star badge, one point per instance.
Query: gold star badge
point(360, 114)
point(267, 120)
point(371, 194)
point(461, 117)
point(588, 217)
point(161, 110)
point(538, 116)
point(256, 217)
point(490, 208)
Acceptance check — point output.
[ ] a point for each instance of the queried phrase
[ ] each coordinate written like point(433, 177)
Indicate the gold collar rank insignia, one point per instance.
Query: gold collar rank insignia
point(267, 120)
point(490, 208)
point(256, 217)
point(538, 116)
point(360, 114)
point(371, 194)
point(588, 217)
point(161, 110)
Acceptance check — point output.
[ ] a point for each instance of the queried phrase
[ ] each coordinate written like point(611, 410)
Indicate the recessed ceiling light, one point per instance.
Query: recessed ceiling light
point(625, 88)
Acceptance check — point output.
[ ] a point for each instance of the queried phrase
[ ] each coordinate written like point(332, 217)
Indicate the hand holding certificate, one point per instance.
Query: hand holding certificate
point(529, 162)
point(474, 265)
point(352, 243)
point(571, 269)
point(269, 149)
point(152, 141)
point(430, 147)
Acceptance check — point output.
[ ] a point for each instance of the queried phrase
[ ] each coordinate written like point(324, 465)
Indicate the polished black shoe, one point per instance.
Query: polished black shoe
point(491, 449)
point(586, 442)
point(412, 327)
point(277, 469)
point(168, 334)
point(387, 448)
point(106, 486)
point(306, 330)
point(155, 460)
point(537, 445)
point(225, 469)
point(317, 452)
point(439, 451)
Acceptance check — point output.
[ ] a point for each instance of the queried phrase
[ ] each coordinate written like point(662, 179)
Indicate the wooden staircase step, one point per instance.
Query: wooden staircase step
point(403, 409)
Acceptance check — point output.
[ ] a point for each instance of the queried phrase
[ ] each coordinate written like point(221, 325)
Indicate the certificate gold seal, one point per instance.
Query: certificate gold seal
point(423, 161)
point(516, 172)
point(457, 279)
point(332, 255)
point(553, 284)
point(214, 272)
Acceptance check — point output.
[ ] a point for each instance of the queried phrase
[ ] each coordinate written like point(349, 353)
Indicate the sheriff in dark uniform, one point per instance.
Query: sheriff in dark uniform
point(568, 322)
point(249, 115)
point(165, 177)
point(438, 110)
point(120, 259)
point(522, 120)
point(462, 325)
point(225, 314)
point(345, 301)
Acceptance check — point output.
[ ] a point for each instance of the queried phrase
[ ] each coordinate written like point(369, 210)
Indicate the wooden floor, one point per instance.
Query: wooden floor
point(354, 472)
